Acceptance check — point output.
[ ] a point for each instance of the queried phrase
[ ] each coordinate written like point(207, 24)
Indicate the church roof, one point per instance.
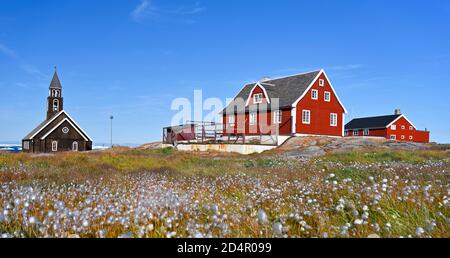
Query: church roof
point(55, 84)
point(47, 122)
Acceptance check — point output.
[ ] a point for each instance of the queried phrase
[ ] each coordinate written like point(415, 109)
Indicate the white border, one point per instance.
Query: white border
point(331, 114)
point(310, 86)
point(251, 92)
point(317, 95)
point(53, 119)
point(395, 120)
point(309, 116)
point(60, 123)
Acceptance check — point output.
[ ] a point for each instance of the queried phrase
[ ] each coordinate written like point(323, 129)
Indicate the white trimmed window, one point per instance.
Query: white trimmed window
point(410, 128)
point(257, 98)
point(403, 137)
point(231, 119)
point(306, 117)
point(75, 146)
point(277, 116)
point(410, 137)
point(393, 137)
point(333, 119)
point(403, 127)
point(315, 94)
point(327, 96)
point(393, 127)
point(253, 118)
point(321, 82)
point(26, 145)
point(54, 145)
point(55, 105)
point(366, 132)
point(355, 132)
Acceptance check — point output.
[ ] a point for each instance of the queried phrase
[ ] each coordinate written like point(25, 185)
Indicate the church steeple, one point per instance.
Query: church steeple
point(55, 99)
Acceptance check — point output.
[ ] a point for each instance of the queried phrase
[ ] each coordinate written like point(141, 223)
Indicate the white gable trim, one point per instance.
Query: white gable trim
point(53, 119)
point(312, 84)
point(90, 139)
point(251, 92)
point(49, 122)
point(59, 124)
point(393, 122)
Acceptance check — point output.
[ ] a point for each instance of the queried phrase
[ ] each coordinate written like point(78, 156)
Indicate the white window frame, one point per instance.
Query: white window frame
point(321, 82)
point(366, 132)
point(355, 132)
point(231, 119)
point(316, 95)
point(26, 145)
point(393, 137)
point(325, 94)
point(277, 116)
point(410, 137)
point(54, 146)
point(393, 127)
point(402, 137)
point(74, 146)
point(410, 128)
point(333, 119)
point(253, 117)
point(403, 127)
point(55, 105)
point(260, 95)
point(306, 116)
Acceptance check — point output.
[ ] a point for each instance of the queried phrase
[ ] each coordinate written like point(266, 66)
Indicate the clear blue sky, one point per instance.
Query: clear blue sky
point(132, 58)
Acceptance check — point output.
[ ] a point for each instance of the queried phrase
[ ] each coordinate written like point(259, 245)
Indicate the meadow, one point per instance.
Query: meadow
point(164, 193)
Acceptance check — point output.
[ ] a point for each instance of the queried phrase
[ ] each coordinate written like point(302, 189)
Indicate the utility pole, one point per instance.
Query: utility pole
point(111, 118)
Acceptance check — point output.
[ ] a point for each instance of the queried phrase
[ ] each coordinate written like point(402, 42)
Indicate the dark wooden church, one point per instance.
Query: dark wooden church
point(58, 132)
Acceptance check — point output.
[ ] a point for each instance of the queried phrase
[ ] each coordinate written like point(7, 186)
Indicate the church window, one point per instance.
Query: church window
point(65, 130)
point(75, 146)
point(55, 105)
point(54, 145)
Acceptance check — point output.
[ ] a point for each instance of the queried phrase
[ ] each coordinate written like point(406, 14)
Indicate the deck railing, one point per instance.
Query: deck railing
point(200, 132)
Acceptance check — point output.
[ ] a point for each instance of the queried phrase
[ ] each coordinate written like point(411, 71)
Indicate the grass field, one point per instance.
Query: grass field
point(164, 193)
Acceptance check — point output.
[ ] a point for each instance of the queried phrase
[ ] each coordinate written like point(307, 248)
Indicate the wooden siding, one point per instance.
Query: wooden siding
point(320, 111)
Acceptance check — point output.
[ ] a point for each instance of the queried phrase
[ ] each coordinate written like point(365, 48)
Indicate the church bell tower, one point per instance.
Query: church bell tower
point(55, 99)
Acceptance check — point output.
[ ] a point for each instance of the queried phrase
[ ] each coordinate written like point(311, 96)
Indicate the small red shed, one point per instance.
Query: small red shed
point(394, 127)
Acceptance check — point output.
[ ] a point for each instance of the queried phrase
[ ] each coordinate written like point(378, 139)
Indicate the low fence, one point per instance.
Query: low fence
point(213, 133)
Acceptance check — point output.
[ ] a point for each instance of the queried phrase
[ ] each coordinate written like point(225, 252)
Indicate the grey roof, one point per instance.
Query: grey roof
point(371, 122)
point(55, 84)
point(40, 126)
point(43, 125)
point(286, 89)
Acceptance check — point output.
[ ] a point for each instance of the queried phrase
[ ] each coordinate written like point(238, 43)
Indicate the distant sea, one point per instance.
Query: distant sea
point(17, 147)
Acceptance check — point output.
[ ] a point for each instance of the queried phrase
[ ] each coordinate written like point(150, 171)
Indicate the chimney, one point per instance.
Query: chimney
point(397, 112)
point(265, 78)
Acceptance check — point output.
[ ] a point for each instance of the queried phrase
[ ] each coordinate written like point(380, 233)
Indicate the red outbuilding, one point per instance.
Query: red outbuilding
point(393, 127)
point(302, 104)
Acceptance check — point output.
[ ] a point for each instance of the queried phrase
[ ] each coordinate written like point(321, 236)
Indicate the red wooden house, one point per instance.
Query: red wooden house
point(393, 127)
point(303, 104)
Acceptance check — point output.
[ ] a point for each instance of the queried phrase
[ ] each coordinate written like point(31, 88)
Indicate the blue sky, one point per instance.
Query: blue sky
point(132, 58)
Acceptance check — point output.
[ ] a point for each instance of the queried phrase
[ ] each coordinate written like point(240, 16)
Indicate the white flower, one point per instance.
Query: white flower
point(85, 223)
point(32, 220)
point(262, 216)
point(277, 228)
point(419, 231)
point(358, 221)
